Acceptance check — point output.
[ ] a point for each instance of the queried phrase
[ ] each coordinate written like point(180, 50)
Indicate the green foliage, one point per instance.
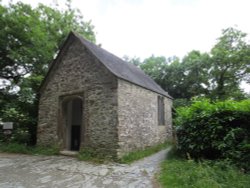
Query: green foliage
point(24, 120)
point(135, 60)
point(14, 148)
point(230, 59)
point(39, 150)
point(182, 102)
point(90, 154)
point(206, 174)
point(30, 38)
point(21, 133)
point(24, 149)
point(216, 75)
point(21, 136)
point(219, 130)
point(188, 77)
point(136, 155)
point(86, 154)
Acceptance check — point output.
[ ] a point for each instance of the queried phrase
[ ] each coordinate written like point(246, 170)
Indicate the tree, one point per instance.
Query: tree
point(29, 40)
point(230, 63)
point(174, 79)
point(135, 60)
point(30, 37)
point(196, 78)
point(216, 75)
point(155, 68)
point(182, 79)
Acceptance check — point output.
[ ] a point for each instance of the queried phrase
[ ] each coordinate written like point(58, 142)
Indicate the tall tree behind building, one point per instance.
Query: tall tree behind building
point(29, 40)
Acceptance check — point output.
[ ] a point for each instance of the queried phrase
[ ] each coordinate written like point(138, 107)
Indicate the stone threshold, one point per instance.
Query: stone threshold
point(69, 153)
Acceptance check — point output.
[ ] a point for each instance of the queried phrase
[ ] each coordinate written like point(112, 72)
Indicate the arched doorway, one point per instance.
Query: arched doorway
point(73, 110)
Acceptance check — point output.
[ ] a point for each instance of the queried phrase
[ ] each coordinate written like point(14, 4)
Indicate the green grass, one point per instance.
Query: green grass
point(35, 150)
point(136, 155)
point(88, 154)
point(94, 156)
point(180, 173)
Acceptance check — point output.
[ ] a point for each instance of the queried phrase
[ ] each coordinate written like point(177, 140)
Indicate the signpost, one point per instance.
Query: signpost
point(8, 125)
point(7, 128)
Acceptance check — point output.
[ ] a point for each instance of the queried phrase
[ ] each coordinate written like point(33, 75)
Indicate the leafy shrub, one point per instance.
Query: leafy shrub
point(219, 130)
point(21, 136)
point(24, 126)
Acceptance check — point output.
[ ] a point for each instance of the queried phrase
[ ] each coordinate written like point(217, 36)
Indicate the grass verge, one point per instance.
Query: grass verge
point(180, 173)
point(35, 150)
point(136, 155)
point(90, 155)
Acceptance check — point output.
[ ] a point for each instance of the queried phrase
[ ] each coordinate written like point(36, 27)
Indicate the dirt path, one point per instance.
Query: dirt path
point(25, 171)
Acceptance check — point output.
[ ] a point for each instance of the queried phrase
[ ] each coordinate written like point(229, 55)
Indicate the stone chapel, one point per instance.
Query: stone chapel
point(90, 98)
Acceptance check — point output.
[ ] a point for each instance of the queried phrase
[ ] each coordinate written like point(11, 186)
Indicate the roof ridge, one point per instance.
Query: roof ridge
point(121, 68)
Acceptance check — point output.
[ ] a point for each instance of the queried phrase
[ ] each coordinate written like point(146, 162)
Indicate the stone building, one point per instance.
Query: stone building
point(92, 99)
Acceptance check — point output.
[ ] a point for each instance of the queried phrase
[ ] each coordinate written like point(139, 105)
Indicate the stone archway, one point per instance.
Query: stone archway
point(72, 122)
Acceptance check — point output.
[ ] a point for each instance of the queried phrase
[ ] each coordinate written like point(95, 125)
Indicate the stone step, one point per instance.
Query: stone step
point(69, 153)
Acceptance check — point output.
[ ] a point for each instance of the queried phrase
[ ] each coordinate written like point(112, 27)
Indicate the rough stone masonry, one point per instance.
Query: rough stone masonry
point(93, 99)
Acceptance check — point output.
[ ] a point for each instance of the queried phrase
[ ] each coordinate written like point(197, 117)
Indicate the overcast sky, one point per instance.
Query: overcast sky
point(140, 28)
point(161, 27)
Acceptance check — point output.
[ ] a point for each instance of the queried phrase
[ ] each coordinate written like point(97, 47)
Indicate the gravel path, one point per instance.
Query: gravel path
point(26, 171)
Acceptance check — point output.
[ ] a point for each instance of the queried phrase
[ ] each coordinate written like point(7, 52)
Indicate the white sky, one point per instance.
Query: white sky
point(140, 28)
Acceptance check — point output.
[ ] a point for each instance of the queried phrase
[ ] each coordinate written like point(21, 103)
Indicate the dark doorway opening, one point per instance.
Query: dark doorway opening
point(75, 137)
point(73, 121)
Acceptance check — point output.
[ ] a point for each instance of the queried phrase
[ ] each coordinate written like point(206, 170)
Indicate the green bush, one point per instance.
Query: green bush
point(19, 135)
point(217, 130)
point(24, 126)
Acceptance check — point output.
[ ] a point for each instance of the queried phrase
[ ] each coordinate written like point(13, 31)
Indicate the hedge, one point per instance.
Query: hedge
point(215, 130)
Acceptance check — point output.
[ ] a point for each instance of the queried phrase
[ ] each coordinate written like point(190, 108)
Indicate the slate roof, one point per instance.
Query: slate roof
point(122, 69)
point(114, 64)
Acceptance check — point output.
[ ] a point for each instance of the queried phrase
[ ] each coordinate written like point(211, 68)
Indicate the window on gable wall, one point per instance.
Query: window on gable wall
point(161, 111)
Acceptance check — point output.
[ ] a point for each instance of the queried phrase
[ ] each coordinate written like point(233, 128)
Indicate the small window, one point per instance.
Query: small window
point(161, 111)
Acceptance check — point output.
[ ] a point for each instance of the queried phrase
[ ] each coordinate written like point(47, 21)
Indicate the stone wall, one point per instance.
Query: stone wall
point(138, 118)
point(78, 73)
